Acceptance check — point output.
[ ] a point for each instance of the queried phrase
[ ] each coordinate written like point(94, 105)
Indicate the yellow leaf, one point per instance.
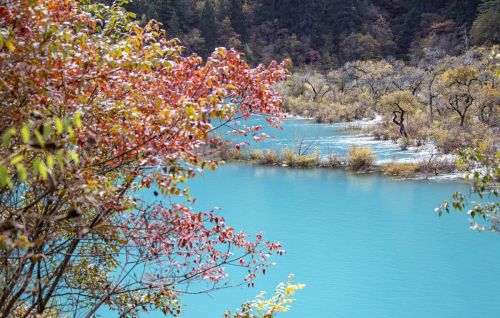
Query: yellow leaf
point(21, 171)
point(77, 120)
point(50, 161)
point(59, 126)
point(25, 133)
point(16, 159)
point(10, 46)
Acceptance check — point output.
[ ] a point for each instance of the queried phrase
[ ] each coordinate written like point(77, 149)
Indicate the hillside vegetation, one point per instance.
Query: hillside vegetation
point(326, 33)
point(452, 102)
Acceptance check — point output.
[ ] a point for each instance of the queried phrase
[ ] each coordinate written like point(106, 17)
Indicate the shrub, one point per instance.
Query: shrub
point(307, 161)
point(360, 158)
point(417, 127)
point(333, 161)
point(230, 153)
point(448, 140)
point(384, 130)
point(270, 157)
point(402, 169)
point(404, 143)
point(303, 161)
point(441, 166)
point(256, 154)
point(289, 156)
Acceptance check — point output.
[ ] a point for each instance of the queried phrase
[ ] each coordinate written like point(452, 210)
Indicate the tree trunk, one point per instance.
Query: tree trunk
point(400, 123)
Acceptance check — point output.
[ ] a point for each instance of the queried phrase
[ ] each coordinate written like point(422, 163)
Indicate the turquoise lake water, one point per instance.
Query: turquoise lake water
point(365, 245)
point(328, 139)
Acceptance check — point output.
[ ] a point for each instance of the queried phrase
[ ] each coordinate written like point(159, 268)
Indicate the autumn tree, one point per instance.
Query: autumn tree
point(99, 112)
point(358, 46)
point(486, 27)
point(208, 24)
point(375, 75)
point(317, 85)
point(458, 88)
point(400, 104)
point(431, 72)
point(238, 18)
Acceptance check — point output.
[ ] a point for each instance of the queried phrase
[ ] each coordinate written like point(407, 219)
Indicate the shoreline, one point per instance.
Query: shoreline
point(395, 170)
point(429, 163)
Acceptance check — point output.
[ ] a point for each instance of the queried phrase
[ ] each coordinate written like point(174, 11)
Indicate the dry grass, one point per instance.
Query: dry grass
point(402, 169)
point(293, 159)
point(360, 158)
point(270, 158)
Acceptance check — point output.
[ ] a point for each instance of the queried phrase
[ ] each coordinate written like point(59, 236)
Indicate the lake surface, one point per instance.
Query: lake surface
point(329, 138)
point(365, 245)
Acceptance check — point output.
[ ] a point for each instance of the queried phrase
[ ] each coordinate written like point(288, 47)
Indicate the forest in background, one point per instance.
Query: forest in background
point(428, 68)
point(327, 33)
point(99, 109)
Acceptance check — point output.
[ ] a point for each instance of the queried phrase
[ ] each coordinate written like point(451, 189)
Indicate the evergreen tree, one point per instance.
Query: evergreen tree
point(165, 10)
point(267, 10)
point(238, 18)
point(271, 29)
point(208, 26)
point(463, 12)
point(486, 27)
point(342, 17)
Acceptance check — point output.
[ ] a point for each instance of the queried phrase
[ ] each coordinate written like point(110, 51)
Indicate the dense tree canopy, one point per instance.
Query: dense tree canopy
point(326, 32)
point(97, 113)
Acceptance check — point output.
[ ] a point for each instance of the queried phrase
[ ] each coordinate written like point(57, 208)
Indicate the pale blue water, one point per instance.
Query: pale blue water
point(326, 138)
point(365, 246)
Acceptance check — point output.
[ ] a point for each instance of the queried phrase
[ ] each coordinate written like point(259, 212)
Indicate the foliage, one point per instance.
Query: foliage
point(98, 111)
point(360, 158)
point(263, 307)
point(334, 161)
point(425, 168)
point(458, 86)
point(485, 215)
point(256, 154)
point(451, 102)
point(486, 27)
point(314, 95)
point(401, 169)
point(271, 157)
point(400, 103)
point(327, 33)
point(359, 46)
point(293, 159)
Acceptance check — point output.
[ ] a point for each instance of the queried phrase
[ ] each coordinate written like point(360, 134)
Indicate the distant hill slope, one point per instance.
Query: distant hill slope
point(327, 32)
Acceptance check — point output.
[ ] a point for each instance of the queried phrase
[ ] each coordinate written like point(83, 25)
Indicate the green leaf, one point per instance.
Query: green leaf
point(4, 177)
point(39, 138)
point(59, 126)
point(73, 156)
point(25, 133)
point(40, 168)
point(21, 171)
point(7, 135)
point(60, 160)
point(16, 159)
point(77, 120)
point(50, 161)
point(47, 129)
